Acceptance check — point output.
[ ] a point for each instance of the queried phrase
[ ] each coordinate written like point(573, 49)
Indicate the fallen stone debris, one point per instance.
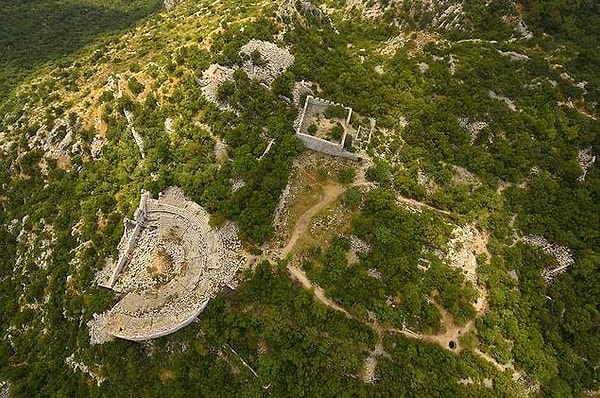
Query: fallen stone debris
point(4, 389)
point(359, 245)
point(562, 255)
point(586, 159)
point(274, 60)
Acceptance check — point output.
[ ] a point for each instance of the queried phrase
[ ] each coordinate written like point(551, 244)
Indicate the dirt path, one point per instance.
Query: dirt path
point(319, 292)
point(332, 192)
point(448, 340)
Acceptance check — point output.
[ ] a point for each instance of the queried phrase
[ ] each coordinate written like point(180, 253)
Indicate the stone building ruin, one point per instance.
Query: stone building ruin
point(312, 112)
point(210, 81)
point(265, 61)
point(171, 262)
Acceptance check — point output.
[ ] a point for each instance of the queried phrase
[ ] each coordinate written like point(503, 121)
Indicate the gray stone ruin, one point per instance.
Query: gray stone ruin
point(313, 107)
point(562, 255)
point(171, 263)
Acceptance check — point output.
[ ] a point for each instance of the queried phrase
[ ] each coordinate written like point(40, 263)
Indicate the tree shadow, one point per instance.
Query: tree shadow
point(33, 32)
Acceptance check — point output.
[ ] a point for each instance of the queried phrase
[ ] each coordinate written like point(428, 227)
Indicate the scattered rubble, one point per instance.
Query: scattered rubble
point(562, 255)
point(170, 4)
point(464, 176)
point(112, 86)
point(374, 273)
point(139, 141)
point(169, 125)
point(237, 184)
point(359, 245)
point(474, 128)
point(302, 88)
point(514, 56)
point(463, 247)
point(96, 146)
point(273, 60)
point(461, 253)
point(586, 159)
point(299, 10)
point(4, 389)
point(452, 62)
point(511, 105)
point(70, 360)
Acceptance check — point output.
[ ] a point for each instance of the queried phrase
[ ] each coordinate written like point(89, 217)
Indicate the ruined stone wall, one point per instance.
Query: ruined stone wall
point(125, 256)
point(176, 326)
point(321, 145)
point(313, 106)
point(140, 218)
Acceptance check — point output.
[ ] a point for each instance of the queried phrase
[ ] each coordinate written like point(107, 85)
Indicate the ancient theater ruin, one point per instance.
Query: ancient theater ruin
point(171, 262)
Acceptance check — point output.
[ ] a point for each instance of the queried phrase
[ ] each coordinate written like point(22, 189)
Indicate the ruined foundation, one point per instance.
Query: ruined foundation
point(314, 106)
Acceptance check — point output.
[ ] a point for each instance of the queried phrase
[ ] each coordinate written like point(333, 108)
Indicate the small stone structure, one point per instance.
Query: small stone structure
point(210, 81)
point(313, 107)
point(171, 262)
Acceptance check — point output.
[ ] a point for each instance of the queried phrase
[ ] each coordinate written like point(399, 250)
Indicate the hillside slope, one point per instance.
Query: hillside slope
point(461, 257)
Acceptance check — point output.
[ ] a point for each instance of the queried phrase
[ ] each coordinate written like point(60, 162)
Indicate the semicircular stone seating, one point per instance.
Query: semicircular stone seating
point(195, 260)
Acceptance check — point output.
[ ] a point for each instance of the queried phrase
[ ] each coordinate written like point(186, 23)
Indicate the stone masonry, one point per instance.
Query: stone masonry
point(171, 262)
point(313, 106)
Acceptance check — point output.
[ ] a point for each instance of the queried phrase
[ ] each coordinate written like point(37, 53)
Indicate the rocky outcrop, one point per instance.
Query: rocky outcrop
point(169, 4)
point(273, 61)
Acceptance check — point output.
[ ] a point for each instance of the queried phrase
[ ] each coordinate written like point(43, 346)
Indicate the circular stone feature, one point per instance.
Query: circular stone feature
point(173, 263)
point(452, 345)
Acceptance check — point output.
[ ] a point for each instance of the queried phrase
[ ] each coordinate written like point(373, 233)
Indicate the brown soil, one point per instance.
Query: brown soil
point(63, 162)
point(450, 338)
point(166, 375)
point(161, 264)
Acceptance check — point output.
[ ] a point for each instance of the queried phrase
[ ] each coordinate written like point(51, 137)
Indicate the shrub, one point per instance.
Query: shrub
point(135, 86)
point(346, 174)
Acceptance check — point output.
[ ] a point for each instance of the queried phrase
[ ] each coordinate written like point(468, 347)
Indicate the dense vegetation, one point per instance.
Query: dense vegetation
point(399, 241)
point(33, 33)
point(517, 175)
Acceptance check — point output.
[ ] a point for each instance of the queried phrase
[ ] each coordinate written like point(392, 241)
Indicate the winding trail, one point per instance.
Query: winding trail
point(332, 192)
point(421, 205)
point(453, 332)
